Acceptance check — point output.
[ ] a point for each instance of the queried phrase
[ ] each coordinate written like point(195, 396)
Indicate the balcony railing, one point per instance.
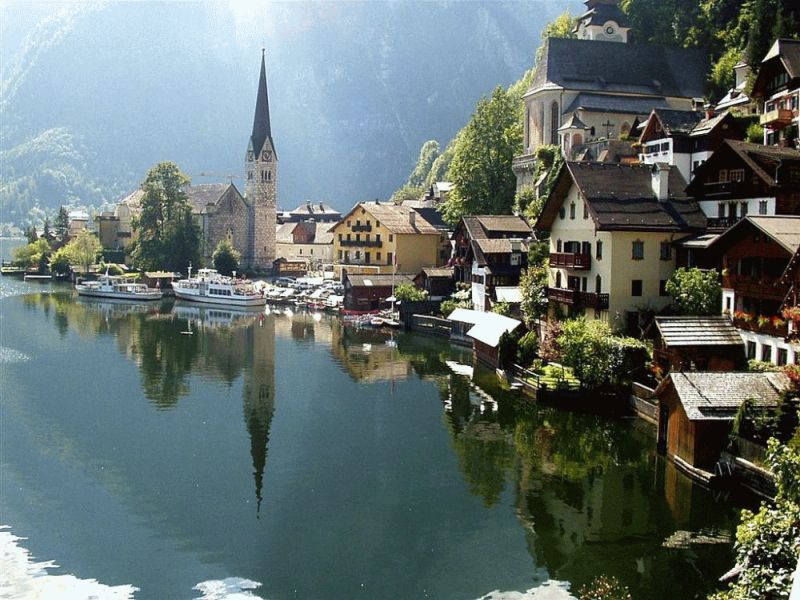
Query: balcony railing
point(570, 260)
point(755, 287)
point(365, 243)
point(578, 299)
point(362, 227)
point(718, 224)
point(780, 117)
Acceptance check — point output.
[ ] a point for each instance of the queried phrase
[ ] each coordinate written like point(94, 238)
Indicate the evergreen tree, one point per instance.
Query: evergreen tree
point(61, 225)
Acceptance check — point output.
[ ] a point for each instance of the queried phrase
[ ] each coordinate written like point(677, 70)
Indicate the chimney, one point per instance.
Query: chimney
point(659, 179)
point(709, 111)
point(412, 218)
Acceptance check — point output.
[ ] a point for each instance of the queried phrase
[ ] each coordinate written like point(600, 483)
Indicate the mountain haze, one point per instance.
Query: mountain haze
point(95, 94)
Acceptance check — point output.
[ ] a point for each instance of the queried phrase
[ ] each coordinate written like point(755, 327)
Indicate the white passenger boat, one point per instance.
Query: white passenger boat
point(210, 287)
point(118, 288)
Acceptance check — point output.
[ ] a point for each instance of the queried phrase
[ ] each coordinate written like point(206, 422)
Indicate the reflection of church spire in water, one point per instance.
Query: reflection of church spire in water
point(259, 395)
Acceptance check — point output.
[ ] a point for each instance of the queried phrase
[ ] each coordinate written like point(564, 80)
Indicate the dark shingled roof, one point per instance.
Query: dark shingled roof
point(203, 194)
point(698, 331)
point(678, 121)
point(616, 104)
point(433, 216)
point(622, 68)
point(718, 395)
point(504, 223)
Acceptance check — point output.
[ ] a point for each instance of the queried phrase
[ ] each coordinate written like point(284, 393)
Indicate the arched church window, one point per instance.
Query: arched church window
point(269, 175)
point(554, 118)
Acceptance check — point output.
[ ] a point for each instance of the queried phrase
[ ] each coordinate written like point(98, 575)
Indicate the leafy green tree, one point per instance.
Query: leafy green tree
point(533, 285)
point(406, 292)
point(502, 308)
point(407, 192)
point(561, 27)
point(226, 258)
point(84, 250)
point(32, 255)
point(585, 348)
point(61, 225)
point(427, 156)
point(604, 587)
point(695, 291)
point(441, 165)
point(59, 261)
point(168, 236)
point(481, 169)
point(527, 348)
point(768, 542)
point(755, 133)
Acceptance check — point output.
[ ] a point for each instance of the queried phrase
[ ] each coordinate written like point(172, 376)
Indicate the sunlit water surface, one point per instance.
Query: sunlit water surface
point(177, 452)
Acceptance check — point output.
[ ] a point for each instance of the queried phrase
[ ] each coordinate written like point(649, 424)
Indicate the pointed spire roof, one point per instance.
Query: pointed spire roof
point(261, 125)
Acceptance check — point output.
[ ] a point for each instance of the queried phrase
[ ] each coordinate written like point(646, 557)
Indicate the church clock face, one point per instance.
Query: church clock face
point(610, 30)
point(266, 155)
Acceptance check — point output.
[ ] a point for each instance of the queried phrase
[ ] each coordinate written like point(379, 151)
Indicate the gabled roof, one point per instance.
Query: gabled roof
point(573, 123)
point(504, 224)
point(762, 160)
point(698, 331)
point(284, 233)
point(718, 395)
point(787, 53)
point(433, 216)
point(707, 125)
point(678, 121)
point(378, 280)
point(134, 199)
point(620, 197)
point(490, 326)
point(395, 217)
point(501, 246)
point(313, 209)
point(438, 273)
point(465, 315)
point(202, 195)
point(610, 68)
point(783, 229)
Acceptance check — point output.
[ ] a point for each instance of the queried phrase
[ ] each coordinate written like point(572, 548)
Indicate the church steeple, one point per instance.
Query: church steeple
point(262, 130)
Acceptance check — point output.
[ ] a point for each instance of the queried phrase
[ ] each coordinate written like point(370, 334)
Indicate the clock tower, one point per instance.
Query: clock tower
point(261, 188)
point(603, 21)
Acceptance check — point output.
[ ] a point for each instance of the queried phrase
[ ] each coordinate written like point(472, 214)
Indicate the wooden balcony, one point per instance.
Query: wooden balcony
point(577, 298)
point(361, 227)
point(778, 118)
point(719, 224)
point(755, 287)
point(362, 243)
point(571, 260)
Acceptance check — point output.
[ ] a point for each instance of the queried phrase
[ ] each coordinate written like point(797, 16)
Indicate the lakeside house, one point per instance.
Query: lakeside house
point(305, 241)
point(755, 254)
point(438, 282)
point(370, 291)
point(379, 237)
point(490, 251)
point(696, 412)
point(612, 229)
point(689, 343)
point(484, 329)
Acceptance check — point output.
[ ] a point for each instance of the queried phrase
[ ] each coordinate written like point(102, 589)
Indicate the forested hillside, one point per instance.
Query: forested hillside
point(94, 94)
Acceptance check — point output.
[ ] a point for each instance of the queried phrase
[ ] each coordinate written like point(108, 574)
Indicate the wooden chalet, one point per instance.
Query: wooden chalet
point(370, 292)
point(438, 282)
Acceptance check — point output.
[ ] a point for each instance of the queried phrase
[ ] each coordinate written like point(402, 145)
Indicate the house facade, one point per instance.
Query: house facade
point(306, 241)
point(612, 230)
point(379, 237)
point(685, 139)
point(755, 255)
point(777, 86)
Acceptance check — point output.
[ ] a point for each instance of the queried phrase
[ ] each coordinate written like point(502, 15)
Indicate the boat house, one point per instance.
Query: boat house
point(697, 344)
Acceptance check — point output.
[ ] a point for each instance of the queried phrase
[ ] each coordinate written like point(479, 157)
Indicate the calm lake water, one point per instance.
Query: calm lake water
point(197, 452)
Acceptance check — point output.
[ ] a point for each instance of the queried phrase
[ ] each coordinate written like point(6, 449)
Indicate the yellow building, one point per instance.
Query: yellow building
point(375, 236)
point(612, 229)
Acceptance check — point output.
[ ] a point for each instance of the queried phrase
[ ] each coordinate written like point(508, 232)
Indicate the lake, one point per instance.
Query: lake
point(191, 452)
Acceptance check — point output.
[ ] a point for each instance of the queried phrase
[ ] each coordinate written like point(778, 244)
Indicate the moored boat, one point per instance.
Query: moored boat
point(116, 287)
point(210, 287)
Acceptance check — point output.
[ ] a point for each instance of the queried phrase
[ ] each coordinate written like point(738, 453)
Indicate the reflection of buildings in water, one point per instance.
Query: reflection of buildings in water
point(366, 356)
point(304, 326)
point(259, 395)
point(213, 317)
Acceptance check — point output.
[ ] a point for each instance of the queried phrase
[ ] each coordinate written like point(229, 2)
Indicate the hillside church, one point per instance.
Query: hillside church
point(219, 210)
